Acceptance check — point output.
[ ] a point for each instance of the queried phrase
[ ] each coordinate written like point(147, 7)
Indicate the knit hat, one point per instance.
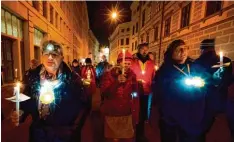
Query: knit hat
point(128, 56)
point(88, 60)
point(207, 43)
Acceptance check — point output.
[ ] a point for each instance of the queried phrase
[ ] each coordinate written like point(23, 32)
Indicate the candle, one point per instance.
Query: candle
point(156, 67)
point(16, 73)
point(17, 91)
point(123, 61)
point(221, 58)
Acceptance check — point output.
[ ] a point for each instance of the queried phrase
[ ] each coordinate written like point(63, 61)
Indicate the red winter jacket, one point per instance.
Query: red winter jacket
point(145, 74)
point(118, 99)
point(89, 90)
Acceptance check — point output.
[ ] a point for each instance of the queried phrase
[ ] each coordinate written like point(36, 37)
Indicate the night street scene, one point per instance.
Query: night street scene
point(117, 71)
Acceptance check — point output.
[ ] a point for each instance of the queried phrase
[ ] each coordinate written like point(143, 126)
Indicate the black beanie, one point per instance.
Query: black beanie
point(88, 60)
point(207, 43)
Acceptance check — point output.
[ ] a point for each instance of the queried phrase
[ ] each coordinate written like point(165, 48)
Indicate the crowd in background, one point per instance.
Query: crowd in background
point(130, 92)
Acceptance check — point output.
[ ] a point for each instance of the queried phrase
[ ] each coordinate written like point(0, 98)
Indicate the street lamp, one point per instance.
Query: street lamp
point(114, 15)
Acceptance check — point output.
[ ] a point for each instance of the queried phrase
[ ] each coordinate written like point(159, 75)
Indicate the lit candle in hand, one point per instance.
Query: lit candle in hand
point(16, 70)
point(221, 58)
point(156, 67)
point(123, 61)
point(17, 94)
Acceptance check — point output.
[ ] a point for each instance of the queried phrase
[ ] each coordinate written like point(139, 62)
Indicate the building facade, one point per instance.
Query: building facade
point(193, 21)
point(25, 24)
point(93, 47)
point(120, 39)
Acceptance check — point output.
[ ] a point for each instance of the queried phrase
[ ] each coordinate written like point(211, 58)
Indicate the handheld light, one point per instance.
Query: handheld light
point(195, 81)
point(134, 94)
point(47, 93)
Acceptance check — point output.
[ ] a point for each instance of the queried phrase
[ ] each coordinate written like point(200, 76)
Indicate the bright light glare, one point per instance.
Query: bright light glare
point(50, 47)
point(134, 94)
point(47, 98)
point(143, 72)
point(106, 50)
point(156, 67)
point(198, 82)
point(114, 15)
point(195, 81)
point(18, 84)
point(188, 81)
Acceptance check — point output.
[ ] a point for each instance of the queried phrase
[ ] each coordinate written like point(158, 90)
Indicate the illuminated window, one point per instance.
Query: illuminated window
point(14, 26)
point(38, 36)
point(20, 28)
point(3, 22)
point(11, 25)
point(8, 23)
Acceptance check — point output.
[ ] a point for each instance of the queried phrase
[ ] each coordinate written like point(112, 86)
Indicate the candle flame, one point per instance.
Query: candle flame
point(156, 67)
point(18, 84)
point(221, 53)
point(143, 72)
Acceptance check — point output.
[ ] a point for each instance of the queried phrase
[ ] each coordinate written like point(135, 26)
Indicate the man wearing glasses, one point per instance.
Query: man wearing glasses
point(54, 102)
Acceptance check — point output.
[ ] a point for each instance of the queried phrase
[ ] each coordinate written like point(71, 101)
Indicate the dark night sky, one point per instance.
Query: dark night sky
point(101, 27)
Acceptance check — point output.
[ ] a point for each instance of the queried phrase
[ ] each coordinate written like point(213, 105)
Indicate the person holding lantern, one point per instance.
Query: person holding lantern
point(143, 67)
point(179, 89)
point(54, 102)
point(119, 88)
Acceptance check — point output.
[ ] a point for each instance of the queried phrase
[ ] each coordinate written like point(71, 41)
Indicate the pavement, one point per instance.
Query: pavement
point(92, 131)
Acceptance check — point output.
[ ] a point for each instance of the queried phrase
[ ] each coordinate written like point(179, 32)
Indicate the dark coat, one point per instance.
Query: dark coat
point(60, 125)
point(180, 105)
point(76, 69)
point(217, 92)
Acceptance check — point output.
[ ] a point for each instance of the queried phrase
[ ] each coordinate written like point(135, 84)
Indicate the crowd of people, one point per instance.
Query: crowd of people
point(129, 91)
